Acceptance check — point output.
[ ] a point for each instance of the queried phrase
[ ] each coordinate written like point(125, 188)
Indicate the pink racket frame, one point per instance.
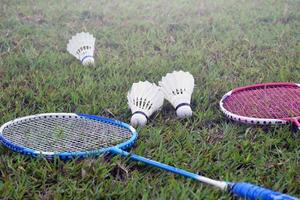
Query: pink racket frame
point(262, 121)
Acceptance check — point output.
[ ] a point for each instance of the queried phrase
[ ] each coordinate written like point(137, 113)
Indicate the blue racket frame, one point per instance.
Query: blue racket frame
point(239, 189)
point(79, 154)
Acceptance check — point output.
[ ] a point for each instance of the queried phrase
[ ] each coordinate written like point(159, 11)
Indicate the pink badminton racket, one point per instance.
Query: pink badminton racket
point(268, 103)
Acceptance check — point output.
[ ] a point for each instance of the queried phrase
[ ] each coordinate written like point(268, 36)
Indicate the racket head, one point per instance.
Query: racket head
point(268, 103)
point(66, 135)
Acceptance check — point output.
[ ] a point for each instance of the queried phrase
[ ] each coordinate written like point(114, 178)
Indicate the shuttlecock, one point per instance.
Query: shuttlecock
point(178, 87)
point(82, 47)
point(144, 98)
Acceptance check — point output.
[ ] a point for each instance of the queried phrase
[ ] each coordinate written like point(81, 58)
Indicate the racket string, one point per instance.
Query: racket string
point(68, 134)
point(267, 102)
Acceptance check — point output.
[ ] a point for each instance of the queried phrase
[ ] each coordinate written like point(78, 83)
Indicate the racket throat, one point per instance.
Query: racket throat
point(296, 121)
point(118, 151)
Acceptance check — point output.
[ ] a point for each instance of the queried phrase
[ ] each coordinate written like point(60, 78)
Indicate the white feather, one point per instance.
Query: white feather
point(178, 87)
point(82, 46)
point(144, 97)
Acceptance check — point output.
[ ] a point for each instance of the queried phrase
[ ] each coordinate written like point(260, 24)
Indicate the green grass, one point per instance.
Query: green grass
point(224, 44)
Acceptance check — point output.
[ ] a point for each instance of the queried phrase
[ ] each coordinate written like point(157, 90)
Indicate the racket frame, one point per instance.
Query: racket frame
point(67, 155)
point(254, 120)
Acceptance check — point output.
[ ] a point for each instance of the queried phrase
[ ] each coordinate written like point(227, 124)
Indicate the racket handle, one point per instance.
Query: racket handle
point(253, 192)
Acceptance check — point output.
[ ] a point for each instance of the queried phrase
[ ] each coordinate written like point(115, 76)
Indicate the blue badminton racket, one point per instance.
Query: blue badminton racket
point(68, 135)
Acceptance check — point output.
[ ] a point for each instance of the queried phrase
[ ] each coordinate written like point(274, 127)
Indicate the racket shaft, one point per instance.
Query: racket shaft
point(244, 190)
point(220, 184)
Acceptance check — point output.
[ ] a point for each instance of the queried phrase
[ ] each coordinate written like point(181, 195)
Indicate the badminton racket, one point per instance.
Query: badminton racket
point(268, 103)
point(68, 135)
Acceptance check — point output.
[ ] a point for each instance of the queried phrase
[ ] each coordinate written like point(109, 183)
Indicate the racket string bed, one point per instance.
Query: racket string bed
point(268, 102)
point(69, 134)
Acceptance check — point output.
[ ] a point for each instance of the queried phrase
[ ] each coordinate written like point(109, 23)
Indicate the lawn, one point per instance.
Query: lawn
point(223, 43)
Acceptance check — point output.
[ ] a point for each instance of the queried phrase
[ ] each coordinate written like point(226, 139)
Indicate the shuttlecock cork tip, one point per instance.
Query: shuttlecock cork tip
point(88, 61)
point(184, 111)
point(138, 119)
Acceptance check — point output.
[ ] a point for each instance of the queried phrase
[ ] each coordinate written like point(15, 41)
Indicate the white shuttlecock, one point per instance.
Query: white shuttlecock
point(82, 46)
point(144, 98)
point(178, 87)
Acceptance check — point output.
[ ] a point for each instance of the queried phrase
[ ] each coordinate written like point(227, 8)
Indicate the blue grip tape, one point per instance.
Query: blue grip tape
point(253, 192)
